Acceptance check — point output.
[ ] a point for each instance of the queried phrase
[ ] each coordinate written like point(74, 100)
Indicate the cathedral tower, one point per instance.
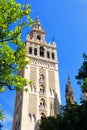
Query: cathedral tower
point(69, 93)
point(43, 97)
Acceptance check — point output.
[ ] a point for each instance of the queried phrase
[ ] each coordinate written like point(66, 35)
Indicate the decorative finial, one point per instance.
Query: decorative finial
point(53, 39)
point(37, 18)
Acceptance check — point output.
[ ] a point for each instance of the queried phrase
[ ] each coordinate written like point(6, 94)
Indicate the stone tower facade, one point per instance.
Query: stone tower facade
point(69, 93)
point(43, 97)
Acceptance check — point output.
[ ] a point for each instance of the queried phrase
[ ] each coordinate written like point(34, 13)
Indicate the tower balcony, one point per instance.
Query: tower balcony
point(42, 80)
point(42, 107)
point(41, 92)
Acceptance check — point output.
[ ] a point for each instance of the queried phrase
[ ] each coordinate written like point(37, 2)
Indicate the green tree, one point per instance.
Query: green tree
point(1, 114)
point(52, 123)
point(12, 47)
point(73, 117)
point(82, 74)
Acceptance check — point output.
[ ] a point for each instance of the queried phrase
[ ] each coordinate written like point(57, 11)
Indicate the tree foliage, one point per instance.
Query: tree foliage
point(73, 117)
point(1, 114)
point(82, 74)
point(51, 123)
point(12, 47)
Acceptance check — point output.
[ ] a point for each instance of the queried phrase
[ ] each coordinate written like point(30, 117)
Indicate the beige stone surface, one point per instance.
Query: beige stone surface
point(43, 98)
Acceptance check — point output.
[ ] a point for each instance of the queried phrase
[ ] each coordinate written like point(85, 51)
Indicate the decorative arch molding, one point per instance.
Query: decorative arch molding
point(42, 89)
point(42, 76)
point(43, 115)
point(42, 103)
point(44, 64)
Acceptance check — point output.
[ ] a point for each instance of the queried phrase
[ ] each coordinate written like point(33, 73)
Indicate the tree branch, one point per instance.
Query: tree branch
point(9, 39)
point(5, 84)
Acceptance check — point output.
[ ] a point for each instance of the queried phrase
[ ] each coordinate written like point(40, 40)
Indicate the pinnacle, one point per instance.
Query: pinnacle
point(37, 20)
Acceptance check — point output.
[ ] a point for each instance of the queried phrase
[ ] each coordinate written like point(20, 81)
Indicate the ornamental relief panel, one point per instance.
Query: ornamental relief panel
point(44, 64)
point(51, 77)
point(33, 74)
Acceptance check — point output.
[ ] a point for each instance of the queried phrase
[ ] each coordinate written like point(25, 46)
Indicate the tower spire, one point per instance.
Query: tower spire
point(69, 93)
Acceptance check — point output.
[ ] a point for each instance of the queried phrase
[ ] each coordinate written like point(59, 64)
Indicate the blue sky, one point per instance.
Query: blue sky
point(66, 21)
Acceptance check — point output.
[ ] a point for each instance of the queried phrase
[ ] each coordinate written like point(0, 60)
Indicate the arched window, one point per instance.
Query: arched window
point(41, 76)
point(35, 51)
point(42, 103)
point(43, 115)
point(38, 37)
point(48, 54)
point(42, 89)
point(30, 50)
point(42, 51)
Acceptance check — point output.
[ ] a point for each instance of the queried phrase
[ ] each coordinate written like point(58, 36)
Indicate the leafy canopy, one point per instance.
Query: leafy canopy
point(12, 47)
point(82, 74)
point(1, 114)
point(73, 117)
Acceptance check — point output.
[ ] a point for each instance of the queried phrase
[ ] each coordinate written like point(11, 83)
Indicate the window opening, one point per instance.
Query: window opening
point(30, 50)
point(53, 57)
point(42, 51)
point(35, 51)
point(48, 54)
point(42, 103)
point(39, 37)
point(42, 89)
point(43, 115)
point(41, 76)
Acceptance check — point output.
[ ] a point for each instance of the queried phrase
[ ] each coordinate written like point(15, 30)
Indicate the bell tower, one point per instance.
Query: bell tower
point(43, 97)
